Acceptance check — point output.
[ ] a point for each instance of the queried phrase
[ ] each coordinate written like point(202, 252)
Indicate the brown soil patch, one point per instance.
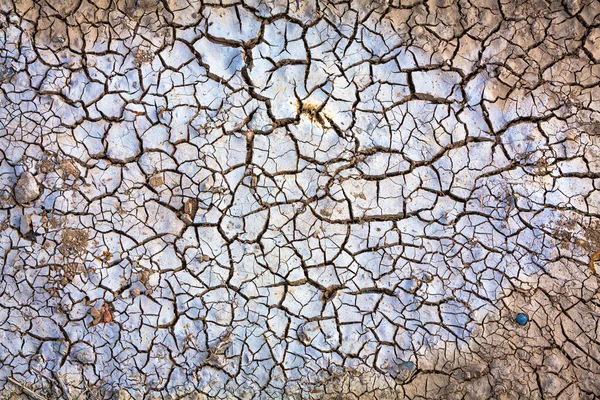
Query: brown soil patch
point(573, 233)
point(74, 241)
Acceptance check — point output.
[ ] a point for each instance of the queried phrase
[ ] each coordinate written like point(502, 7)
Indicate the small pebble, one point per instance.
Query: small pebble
point(25, 224)
point(27, 189)
point(521, 319)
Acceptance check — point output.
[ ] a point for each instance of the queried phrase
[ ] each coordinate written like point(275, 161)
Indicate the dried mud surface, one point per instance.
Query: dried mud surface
point(299, 199)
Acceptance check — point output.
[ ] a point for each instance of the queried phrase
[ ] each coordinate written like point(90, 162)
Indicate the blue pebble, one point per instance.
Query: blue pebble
point(521, 319)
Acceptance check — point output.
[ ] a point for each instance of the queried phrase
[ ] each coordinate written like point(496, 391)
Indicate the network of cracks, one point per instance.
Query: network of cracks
point(303, 199)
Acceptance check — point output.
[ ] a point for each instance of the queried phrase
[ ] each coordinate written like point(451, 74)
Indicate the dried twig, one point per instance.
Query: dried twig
point(26, 390)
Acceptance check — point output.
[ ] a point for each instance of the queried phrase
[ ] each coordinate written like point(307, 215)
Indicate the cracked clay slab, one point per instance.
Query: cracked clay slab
point(299, 199)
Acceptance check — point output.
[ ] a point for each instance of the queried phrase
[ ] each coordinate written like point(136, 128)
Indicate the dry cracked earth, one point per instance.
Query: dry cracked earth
point(267, 199)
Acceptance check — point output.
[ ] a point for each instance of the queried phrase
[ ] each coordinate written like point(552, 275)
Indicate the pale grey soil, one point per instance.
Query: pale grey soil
point(304, 200)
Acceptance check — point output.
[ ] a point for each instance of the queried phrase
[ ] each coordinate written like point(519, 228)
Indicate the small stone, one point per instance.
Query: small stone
point(25, 224)
point(156, 180)
point(96, 315)
point(523, 354)
point(499, 389)
point(27, 189)
point(191, 207)
point(145, 276)
point(522, 319)
point(187, 219)
point(103, 315)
